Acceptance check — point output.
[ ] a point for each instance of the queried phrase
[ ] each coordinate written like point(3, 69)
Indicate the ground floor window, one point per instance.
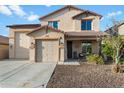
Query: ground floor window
point(86, 47)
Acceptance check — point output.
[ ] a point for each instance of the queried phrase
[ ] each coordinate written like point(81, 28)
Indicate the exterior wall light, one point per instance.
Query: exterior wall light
point(32, 45)
point(11, 46)
point(61, 41)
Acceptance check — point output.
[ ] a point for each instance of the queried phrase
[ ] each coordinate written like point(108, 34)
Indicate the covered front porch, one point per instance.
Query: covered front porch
point(79, 45)
point(81, 48)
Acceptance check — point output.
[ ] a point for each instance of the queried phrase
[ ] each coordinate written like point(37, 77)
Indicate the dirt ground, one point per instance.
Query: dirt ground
point(85, 76)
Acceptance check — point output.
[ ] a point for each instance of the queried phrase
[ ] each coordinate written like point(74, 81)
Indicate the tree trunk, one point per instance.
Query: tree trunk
point(116, 60)
point(116, 67)
point(117, 56)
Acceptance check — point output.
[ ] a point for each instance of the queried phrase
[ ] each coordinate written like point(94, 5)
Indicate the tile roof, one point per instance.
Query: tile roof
point(87, 11)
point(24, 25)
point(46, 27)
point(67, 6)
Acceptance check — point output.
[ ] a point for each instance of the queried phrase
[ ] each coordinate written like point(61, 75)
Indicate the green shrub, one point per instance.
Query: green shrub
point(95, 59)
point(107, 50)
point(121, 61)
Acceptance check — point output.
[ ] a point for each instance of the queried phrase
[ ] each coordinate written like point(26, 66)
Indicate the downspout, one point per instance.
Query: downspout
point(46, 29)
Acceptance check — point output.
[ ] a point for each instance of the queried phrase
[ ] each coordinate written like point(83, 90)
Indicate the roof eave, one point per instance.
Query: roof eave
point(78, 34)
point(22, 25)
point(68, 6)
point(45, 27)
point(87, 11)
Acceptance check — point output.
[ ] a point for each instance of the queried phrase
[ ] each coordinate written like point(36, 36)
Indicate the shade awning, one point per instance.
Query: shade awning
point(85, 34)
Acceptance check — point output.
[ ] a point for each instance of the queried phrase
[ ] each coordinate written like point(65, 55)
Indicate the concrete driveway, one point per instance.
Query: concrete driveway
point(21, 74)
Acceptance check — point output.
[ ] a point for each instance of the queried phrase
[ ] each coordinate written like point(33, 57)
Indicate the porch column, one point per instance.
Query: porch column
point(65, 50)
point(95, 47)
point(11, 48)
point(61, 54)
point(32, 50)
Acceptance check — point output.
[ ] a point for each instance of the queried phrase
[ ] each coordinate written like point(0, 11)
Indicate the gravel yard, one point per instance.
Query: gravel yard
point(85, 76)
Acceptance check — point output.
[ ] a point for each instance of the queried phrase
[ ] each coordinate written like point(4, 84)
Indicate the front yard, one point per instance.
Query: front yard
point(85, 76)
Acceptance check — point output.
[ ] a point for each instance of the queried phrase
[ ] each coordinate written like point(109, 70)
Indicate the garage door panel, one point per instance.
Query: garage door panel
point(49, 50)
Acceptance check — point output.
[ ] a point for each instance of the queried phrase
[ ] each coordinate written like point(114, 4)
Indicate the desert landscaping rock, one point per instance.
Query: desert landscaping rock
point(85, 76)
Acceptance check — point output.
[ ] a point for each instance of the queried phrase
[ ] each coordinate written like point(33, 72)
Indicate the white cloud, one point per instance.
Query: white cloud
point(5, 10)
point(48, 5)
point(32, 17)
point(17, 10)
point(112, 14)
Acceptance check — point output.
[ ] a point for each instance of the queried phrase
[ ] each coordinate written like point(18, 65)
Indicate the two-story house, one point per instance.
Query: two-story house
point(62, 35)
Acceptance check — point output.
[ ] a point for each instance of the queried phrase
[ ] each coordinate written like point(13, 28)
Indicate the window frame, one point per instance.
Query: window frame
point(86, 47)
point(52, 22)
point(86, 24)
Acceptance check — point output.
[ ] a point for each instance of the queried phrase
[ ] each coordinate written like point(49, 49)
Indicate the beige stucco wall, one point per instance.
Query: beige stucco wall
point(32, 50)
point(4, 51)
point(41, 34)
point(62, 55)
point(22, 43)
point(13, 39)
point(38, 33)
point(13, 30)
point(95, 22)
point(67, 23)
point(65, 19)
point(95, 47)
point(121, 30)
point(26, 42)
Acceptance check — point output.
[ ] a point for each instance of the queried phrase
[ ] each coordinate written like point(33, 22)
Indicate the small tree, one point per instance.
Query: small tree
point(115, 44)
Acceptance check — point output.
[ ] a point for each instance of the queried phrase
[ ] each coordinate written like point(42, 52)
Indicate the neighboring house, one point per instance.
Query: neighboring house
point(4, 47)
point(62, 35)
point(117, 29)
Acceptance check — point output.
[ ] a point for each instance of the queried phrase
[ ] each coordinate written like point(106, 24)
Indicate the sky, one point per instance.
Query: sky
point(29, 14)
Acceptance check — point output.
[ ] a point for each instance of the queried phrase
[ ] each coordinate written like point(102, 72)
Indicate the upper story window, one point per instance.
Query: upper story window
point(53, 24)
point(86, 24)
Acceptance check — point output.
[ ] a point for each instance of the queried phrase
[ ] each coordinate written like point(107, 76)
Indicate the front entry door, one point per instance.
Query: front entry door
point(69, 49)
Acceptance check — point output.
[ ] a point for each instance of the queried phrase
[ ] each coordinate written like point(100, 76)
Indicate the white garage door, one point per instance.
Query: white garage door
point(22, 46)
point(47, 51)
